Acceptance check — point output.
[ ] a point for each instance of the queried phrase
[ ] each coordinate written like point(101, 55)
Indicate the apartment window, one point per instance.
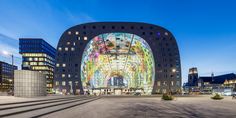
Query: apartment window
point(85, 38)
point(66, 48)
point(76, 83)
point(72, 49)
point(78, 38)
point(25, 63)
point(69, 75)
point(30, 59)
point(166, 33)
point(63, 75)
point(158, 83)
point(177, 83)
point(63, 65)
point(177, 76)
point(57, 83)
point(172, 83)
point(70, 83)
point(35, 59)
point(57, 65)
point(59, 48)
point(76, 33)
point(68, 43)
point(167, 44)
point(69, 32)
point(63, 83)
point(164, 83)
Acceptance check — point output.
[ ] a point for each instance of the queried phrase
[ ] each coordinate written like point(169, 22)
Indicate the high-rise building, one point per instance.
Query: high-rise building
point(6, 76)
point(38, 55)
point(193, 77)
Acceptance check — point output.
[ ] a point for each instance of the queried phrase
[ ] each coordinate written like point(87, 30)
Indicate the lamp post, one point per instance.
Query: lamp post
point(12, 67)
point(173, 71)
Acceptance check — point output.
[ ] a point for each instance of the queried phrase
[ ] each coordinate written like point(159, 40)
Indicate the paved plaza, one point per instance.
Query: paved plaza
point(117, 107)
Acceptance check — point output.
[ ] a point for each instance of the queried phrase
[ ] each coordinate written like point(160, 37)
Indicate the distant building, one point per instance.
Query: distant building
point(29, 83)
point(38, 55)
point(217, 83)
point(193, 77)
point(6, 76)
point(230, 82)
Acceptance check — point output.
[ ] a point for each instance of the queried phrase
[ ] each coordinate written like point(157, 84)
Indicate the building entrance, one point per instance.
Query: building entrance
point(119, 62)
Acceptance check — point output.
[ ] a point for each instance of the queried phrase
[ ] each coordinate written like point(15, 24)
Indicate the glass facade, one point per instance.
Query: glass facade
point(118, 60)
point(6, 76)
point(38, 55)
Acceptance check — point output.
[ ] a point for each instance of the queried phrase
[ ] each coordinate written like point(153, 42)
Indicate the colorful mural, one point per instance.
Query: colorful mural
point(118, 56)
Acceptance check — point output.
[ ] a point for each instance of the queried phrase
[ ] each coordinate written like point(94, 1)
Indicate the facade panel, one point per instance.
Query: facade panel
point(29, 83)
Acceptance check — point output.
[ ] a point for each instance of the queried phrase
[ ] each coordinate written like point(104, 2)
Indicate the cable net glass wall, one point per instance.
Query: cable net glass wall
point(118, 60)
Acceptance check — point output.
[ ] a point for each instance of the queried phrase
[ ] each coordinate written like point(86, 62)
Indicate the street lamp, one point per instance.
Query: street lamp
point(173, 71)
point(12, 67)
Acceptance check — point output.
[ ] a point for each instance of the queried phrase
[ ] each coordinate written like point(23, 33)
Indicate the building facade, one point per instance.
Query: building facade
point(29, 83)
point(221, 83)
point(89, 56)
point(38, 55)
point(6, 76)
point(193, 77)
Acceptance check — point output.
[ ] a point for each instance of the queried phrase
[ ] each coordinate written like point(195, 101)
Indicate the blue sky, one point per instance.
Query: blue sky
point(205, 29)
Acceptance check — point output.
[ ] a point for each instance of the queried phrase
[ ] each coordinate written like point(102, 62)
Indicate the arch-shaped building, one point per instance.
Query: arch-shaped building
point(73, 42)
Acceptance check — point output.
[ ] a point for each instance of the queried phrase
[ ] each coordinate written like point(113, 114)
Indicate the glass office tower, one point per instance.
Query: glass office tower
point(38, 55)
point(6, 76)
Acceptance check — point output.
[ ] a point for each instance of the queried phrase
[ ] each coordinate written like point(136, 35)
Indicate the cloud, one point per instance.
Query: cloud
point(9, 44)
point(78, 18)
